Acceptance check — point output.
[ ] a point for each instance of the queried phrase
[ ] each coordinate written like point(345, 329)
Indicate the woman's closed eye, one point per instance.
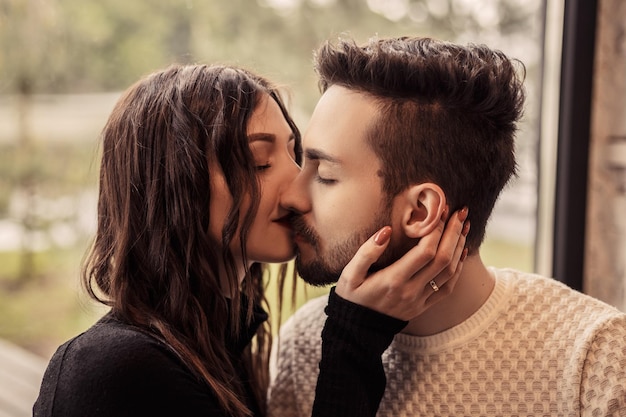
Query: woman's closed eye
point(263, 167)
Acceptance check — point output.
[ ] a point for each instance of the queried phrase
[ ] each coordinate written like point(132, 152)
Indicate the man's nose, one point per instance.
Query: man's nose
point(295, 196)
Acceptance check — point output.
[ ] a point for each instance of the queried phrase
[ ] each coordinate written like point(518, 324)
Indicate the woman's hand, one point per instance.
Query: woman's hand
point(408, 287)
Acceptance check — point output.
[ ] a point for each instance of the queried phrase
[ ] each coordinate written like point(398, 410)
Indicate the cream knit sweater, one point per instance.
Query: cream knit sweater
point(535, 348)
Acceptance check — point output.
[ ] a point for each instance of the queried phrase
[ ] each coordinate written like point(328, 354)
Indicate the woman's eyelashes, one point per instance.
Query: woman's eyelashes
point(263, 166)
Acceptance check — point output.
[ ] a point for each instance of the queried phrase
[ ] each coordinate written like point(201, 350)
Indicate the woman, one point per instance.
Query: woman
point(194, 159)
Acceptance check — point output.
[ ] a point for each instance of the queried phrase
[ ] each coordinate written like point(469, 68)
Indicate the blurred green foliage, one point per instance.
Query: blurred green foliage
point(42, 313)
point(66, 46)
point(59, 167)
point(87, 46)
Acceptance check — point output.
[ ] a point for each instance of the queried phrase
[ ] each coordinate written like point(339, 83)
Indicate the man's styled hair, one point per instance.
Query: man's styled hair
point(447, 114)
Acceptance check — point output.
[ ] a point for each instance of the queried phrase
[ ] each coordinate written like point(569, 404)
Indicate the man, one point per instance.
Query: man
point(404, 127)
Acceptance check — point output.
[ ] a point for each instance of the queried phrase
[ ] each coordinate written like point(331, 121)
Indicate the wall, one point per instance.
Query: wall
point(605, 252)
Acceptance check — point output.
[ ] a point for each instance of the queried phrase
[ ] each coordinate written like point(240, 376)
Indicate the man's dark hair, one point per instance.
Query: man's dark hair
point(447, 114)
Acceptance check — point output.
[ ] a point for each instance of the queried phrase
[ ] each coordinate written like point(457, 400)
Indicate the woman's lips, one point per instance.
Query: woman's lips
point(285, 222)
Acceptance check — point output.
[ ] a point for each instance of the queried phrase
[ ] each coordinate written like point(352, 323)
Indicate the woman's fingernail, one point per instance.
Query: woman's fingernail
point(463, 214)
point(466, 228)
point(382, 236)
point(464, 254)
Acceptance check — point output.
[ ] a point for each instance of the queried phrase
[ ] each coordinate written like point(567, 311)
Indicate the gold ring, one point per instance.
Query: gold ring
point(433, 284)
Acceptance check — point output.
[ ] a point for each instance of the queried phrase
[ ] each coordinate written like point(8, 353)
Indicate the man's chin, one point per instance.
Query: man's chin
point(315, 273)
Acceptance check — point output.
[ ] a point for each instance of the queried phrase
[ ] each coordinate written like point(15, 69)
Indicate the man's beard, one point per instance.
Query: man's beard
point(325, 268)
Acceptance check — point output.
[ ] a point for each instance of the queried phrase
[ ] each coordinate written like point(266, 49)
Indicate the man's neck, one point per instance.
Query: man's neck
point(471, 291)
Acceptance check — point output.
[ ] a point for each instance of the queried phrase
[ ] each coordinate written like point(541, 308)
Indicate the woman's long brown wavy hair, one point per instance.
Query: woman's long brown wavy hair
point(153, 260)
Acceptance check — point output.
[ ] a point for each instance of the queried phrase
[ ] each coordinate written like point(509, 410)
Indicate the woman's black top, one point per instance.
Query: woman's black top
point(116, 369)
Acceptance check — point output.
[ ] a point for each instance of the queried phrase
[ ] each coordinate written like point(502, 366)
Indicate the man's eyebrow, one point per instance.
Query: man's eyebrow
point(317, 155)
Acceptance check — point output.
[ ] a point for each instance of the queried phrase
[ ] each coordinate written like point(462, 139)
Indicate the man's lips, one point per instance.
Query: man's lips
point(299, 238)
point(299, 231)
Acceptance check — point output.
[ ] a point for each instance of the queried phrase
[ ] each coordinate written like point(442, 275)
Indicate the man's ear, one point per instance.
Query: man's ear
point(422, 208)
